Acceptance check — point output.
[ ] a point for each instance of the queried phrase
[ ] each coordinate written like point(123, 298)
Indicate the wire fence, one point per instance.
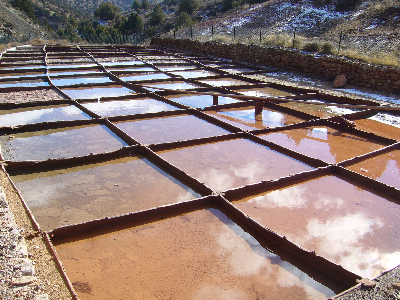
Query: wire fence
point(372, 45)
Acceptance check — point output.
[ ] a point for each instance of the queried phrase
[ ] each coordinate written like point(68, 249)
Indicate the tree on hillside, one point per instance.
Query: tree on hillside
point(106, 11)
point(145, 4)
point(136, 5)
point(184, 20)
point(347, 5)
point(188, 6)
point(157, 16)
point(134, 23)
point(228, 4)
point(24, 5)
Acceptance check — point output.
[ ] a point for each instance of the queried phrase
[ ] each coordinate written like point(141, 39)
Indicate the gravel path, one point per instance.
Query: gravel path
point(17, 272)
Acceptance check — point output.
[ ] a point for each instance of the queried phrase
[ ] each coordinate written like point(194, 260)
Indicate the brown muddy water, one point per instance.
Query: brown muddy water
point(225, 165)
point(246, 119)
point(83, 193)
point(264, 92)
point(225, 82)
point(170, 129)
point(325, 143)
point(322, 110)
point(200, 100)
point(378, 128)
point(170, 86)
point(199, 255)
point(384, 168)
point(198, 252)
point(340, 221)
point(59, 143)
point(194, 73)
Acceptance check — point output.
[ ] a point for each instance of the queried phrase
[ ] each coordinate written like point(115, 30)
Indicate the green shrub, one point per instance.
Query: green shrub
point(311, 47)
point(327, 48)
point(347, 5)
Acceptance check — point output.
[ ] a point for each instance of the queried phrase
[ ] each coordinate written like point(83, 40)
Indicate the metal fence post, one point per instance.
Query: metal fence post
point(212, 29)
point(340, 42)
point(174, 34)
point(260, 36)
point(234, 33)
point(191, 32)
point(294, 35)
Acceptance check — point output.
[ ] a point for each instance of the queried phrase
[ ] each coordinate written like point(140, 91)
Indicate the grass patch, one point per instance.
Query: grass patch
point(388, 59)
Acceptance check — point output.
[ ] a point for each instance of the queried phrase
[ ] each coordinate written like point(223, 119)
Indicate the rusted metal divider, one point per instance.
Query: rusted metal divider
point(177, 173)
point(120, 133)
point(313, 162)
point(366, 156)
point(349, 129)
point(195, 142)
point(369, 184)
point(25, 167)
point(160, 114)
point(270, 185)
point(7, 105)
point(57, 235)
point(46, 125)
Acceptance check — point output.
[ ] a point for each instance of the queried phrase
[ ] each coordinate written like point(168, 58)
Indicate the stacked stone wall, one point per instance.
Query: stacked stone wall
point(374, 77)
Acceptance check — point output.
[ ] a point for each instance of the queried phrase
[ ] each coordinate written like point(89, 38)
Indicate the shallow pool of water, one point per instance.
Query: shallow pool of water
point(199, 255)
point(176, 68)
point(376, 126)
point(319, 110)
point(246, 119)
point(71, 66)
point(140, 77)
point(194, 73)
point(59, 143)
point(341, 222)
point(98, 92)
point(33, 115)
point(225, 82)
point(84, 193)
point(325, 143)
point(24, 83)
point(384, 168)
point(230, 164)
point(264, 92)
point(80, 80)
point(170, 129)
point(128, 107)
point(170, 86)
point(200, 100)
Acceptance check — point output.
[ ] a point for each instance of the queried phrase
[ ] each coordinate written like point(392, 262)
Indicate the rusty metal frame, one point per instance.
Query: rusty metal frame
point(313, 264)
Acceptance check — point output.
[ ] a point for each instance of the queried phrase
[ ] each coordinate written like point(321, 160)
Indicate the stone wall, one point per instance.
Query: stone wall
point(375, 77)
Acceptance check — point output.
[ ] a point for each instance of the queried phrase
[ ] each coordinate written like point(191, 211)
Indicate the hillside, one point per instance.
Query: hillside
point(370, 30)
point(16, 24)
point(370, 27)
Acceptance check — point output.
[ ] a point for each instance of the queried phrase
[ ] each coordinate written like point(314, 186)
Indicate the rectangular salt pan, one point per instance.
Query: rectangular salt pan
point(234, 163)
point(170, 129)
point(34, 115)
point(60, 143)
point(339, 221)
point(199, 255)
point(88, 192)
